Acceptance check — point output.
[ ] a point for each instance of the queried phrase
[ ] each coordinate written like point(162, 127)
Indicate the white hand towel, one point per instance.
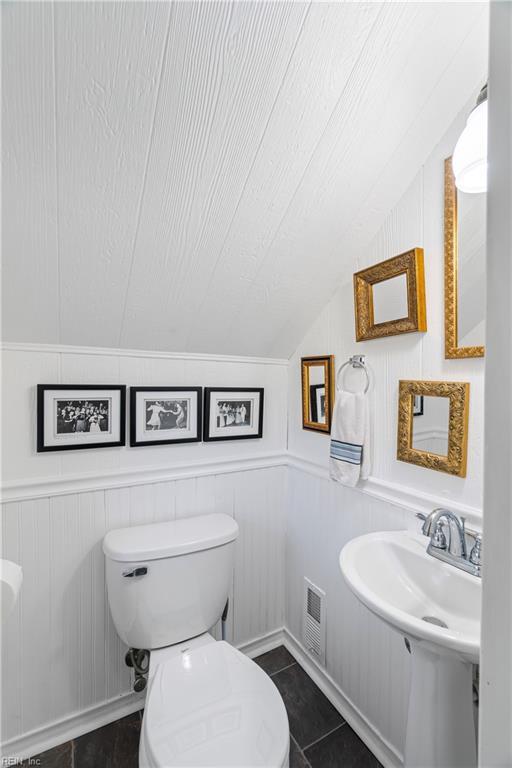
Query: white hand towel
point(350, 439)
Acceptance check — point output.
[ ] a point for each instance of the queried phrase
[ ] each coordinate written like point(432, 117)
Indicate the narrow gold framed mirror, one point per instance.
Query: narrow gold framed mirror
point(317, 392)
point(464, 269)
point(389, 297)
point(433, 425)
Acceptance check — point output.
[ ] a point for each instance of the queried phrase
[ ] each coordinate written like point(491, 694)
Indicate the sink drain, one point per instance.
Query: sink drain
point(434, 620)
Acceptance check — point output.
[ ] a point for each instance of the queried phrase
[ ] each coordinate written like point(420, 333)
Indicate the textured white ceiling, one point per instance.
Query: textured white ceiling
point(197, 176)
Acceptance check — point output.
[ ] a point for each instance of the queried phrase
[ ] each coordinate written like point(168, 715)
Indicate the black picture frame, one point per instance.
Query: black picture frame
point(43, 447)
point(209, 392)
point(134, 391)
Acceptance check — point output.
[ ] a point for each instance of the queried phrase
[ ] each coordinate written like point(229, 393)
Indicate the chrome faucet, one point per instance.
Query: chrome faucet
point(454, 550)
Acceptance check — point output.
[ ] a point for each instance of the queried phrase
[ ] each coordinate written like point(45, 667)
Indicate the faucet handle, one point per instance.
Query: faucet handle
point(438, 539)
point(475, 556)
point(426, 519)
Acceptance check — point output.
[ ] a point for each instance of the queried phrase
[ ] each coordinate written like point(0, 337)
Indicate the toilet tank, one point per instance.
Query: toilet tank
point(168, 582)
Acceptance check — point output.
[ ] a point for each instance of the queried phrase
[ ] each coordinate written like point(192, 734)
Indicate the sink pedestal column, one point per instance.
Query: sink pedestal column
point(440, 721)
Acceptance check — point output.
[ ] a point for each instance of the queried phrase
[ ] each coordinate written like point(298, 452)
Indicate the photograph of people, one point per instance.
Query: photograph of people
point(82, 416)
point(233, 413)
point(154, 415)
point(179, 412)
point(166, 414)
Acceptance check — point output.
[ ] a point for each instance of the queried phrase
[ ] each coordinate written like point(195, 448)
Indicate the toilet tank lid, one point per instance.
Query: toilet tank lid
point(177, 537)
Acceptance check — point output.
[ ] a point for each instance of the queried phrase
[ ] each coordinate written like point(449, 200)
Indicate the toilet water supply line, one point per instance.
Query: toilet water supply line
point(138, 659)
point(223, 620)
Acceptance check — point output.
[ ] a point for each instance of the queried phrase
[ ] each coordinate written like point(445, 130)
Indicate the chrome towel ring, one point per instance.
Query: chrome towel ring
point(356, 361)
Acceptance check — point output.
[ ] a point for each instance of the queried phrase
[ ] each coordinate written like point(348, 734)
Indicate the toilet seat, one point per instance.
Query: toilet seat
point(210, 705)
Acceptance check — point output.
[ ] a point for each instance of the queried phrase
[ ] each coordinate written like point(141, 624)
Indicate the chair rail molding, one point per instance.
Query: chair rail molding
point(61, 485)
point(394, 493)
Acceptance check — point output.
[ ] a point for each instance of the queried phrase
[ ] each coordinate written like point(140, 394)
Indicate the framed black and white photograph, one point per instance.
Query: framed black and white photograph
point(417, 405)
point(165, 415)
point(233, 413)
point(80, 416)
point(317, 400)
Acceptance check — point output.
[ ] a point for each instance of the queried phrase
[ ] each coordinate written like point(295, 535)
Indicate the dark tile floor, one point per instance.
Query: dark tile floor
point(114, 746)
point(319, 737)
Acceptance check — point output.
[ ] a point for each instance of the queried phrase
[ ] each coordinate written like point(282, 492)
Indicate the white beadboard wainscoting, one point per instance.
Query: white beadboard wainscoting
point(63, 663)
point(366, 671)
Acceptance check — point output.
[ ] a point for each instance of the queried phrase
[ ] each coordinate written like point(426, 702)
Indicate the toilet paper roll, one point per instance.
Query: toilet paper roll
point(11, 577)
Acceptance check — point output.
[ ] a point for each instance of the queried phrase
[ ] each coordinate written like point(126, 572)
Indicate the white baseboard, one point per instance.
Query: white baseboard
point(60, 731)
point(381, 748)
point(262, 644)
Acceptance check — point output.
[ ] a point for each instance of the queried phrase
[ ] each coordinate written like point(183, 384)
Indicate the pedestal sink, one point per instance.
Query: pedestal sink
point(436, 608)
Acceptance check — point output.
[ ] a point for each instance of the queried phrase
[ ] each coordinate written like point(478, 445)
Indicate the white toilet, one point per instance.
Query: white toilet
point(207, 704)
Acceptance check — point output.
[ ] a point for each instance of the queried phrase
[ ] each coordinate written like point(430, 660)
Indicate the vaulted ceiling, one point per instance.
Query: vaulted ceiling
point(198, 176)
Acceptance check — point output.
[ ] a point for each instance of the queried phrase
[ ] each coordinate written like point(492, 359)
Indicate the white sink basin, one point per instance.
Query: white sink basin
point(391, 573)
point(10, 585)
point(436, 607)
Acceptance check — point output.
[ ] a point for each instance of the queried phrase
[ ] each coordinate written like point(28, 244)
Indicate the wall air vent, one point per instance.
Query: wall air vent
point(314, 620)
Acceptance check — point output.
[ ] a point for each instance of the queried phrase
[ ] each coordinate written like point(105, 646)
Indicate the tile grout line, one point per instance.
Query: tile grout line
point(271, 674)
point(324, 736)
point(301, 751)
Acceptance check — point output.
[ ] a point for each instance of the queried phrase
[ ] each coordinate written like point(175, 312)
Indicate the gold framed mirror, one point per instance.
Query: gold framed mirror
point(464, 269)
point(433, 425)
point(317, 392)
point(389, 297)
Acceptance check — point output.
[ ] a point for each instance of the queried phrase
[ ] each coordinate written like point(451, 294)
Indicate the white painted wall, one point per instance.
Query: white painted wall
point(62, 662)
point(417, 220)
point(496, 657)
point(25, 366)
point(367, 662)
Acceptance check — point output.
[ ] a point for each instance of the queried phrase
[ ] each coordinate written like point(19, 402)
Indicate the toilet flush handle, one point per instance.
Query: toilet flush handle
point(135, 572)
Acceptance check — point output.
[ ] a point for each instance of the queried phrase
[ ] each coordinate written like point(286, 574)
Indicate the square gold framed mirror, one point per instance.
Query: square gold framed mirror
point(317, 392)
point(389, 297)
point(433, 425)
point(464, 269)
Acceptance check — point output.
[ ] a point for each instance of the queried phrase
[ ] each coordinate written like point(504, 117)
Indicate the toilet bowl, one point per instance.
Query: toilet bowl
point(207, 704)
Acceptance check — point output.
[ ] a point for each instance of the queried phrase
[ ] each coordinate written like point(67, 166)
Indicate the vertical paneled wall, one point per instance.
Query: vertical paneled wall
point(365, 659)
point(60, 652)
